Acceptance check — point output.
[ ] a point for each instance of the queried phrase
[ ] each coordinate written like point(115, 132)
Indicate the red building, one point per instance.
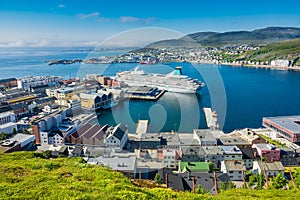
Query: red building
point(287, 127)
point(268, 151)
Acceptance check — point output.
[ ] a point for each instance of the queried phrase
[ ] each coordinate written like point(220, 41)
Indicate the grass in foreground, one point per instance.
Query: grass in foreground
point(27, 175)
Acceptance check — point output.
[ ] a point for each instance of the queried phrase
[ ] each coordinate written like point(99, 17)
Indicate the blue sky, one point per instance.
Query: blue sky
point(85, 22)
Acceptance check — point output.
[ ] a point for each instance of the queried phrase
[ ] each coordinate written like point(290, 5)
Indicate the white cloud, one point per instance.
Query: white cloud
point(89, 15)
point(129, 19)
point(61, 5)
point(148, 20)
point(21, 43)
point(125, 19)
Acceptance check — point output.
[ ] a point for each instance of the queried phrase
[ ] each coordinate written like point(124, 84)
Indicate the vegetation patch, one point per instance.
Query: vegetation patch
point(27, 175)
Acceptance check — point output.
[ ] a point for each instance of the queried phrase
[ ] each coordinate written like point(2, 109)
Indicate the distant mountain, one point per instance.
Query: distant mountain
point(214, 39)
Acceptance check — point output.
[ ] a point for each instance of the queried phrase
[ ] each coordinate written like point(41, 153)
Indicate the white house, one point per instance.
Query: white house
point(234, 168)
point(271, 168)
point(232, 153)
point(117, 137)
point(7, 117)
point(52, 138)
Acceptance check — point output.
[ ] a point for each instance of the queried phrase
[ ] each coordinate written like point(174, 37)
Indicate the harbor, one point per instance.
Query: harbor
point(144, 93)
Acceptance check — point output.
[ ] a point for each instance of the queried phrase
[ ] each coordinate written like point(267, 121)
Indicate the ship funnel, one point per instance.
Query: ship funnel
point(177, 71)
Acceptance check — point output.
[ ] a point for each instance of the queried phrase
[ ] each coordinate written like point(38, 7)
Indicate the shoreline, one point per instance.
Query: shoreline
point(269, 67)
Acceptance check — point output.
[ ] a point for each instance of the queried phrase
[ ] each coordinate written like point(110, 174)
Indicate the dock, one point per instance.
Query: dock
point(144, 93)
point(142, 127)
point(211, 119)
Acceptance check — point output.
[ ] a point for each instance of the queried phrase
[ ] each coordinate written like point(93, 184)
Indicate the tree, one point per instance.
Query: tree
point(3, 136)
point(223, 186)
point(278, 181)
point(157, 179)
point(14, 131)
point(296, 176)
point(200, 189)
point(260, 181)
point(211, 166)
point(231, 185)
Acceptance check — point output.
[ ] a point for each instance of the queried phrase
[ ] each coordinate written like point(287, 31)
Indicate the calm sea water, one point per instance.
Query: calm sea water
point(241, 96)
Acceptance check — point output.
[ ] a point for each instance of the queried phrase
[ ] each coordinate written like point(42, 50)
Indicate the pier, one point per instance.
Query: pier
point(211, 119)
point(144, 93)
point(141, 128)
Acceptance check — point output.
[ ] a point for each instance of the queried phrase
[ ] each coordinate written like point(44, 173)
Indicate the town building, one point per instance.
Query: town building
point(268, 168)
point(125, 164)
point(52, 137)
point(214, 154)
point(249, 135)
point(95, 101)
point(289, 157)
point(267, 151)
point(249, 155)
point(170, 157)
point(7, 117)
point(33, 81)
point(281, 63)
point(205, 137)
point(117, 136)
point(47, 123)
point(17, 143)
point(232, 153)
point(287, 127)
point(192, 154)
point(193, 167)
point(230, 140)
point(234, 168)
point(9, 82)
point(196, 179)
point(8, 128)
point(89, 133)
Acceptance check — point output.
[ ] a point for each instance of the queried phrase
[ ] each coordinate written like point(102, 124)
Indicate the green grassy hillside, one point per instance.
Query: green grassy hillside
point(289, 50)
point(30, 176)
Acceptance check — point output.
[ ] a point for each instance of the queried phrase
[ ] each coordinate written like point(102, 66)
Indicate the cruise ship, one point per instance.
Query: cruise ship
point(172, 82)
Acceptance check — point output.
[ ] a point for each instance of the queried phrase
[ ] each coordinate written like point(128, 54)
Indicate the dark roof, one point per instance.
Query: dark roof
point(77, 150)
point(205, 179)
point(75, 134)
point(119, 131)
point(5, 109)
point(248, 152)
point(45, 100)
point(63, 149)
point(83, 129)
point(54, 132)
point(7, 80)
point(193, 150)
point(19, 106)
point(92, 131)
point(101, 133)
point(176, 182)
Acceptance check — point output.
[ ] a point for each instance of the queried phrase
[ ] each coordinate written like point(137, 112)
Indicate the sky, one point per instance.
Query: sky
point(88, 22)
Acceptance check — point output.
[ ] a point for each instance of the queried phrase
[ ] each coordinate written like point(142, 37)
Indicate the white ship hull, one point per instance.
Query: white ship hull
point(173, 82)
